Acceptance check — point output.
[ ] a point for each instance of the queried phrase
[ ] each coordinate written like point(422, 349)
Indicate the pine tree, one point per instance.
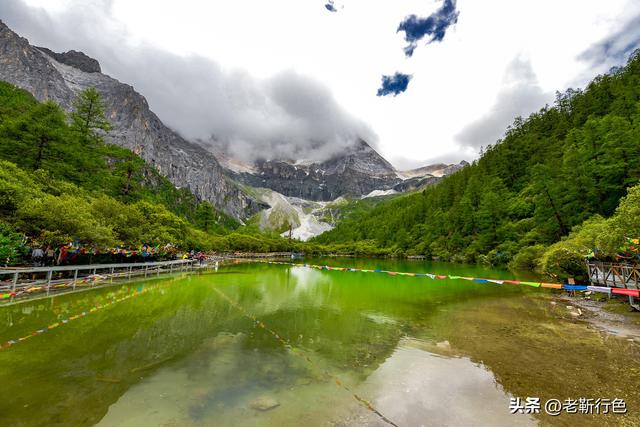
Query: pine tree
point(88, 117)
point(35, 138)
point(205, 217)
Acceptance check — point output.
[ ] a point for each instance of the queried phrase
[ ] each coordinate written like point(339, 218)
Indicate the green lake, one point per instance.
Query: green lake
point(423, 352)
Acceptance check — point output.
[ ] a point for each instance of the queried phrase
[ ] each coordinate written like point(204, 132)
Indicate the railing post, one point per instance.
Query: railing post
point(49, 273)
point(130, 268)
point(75, 278)
point(15, 284)
point(146, 268)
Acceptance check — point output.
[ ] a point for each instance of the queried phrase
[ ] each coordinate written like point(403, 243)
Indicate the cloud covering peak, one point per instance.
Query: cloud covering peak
point(286, 115)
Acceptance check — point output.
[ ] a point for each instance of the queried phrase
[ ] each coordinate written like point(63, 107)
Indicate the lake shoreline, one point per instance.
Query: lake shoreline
point(609, 315)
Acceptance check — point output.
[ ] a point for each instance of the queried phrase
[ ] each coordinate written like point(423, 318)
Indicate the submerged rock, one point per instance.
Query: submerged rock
point(303, 381)
point(444, 345)
point(264, 403)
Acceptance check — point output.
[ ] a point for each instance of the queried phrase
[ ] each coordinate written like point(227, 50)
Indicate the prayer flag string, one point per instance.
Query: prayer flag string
point(564, 286)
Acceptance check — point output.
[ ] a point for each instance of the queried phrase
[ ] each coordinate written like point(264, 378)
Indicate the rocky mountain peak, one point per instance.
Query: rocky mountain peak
point(76, 59)
point(437, 170)
point(356, 172)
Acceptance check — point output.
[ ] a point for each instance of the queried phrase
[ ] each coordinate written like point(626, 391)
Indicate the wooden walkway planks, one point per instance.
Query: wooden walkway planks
point(615, 275)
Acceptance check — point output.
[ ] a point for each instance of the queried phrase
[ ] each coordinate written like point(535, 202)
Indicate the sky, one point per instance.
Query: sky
point(422, 81)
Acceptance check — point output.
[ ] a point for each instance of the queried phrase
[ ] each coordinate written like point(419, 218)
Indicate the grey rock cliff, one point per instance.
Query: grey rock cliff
point(416, 183)
point(59, 77)
point(76, 59)
point(427, 175)
point(357, 172)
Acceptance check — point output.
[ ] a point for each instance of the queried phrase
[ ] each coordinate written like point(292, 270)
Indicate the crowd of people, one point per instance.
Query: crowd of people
point(45, 257)
point(48, 256)
point(200, 256)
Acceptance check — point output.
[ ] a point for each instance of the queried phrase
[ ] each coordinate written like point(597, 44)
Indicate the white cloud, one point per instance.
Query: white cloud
point(615, 49)
point(455, 82)
point(519, 95)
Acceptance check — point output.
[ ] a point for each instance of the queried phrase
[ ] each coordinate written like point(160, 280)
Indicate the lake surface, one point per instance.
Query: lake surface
point(422, 352)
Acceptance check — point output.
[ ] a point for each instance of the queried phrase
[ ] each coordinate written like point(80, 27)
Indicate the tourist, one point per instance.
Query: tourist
point(49, 256)
point(62, 255)
point(37, 255)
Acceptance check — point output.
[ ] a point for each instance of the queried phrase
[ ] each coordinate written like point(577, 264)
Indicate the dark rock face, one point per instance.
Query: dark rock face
point(455, 167)
point(355, 173)
point(415, 183)
point(61, 76)
point(76, 59)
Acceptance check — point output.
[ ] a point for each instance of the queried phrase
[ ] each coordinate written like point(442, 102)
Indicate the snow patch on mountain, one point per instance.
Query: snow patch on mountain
point(309, 226)
point(438, 170)
point(299, 215)
point(228, 162)
point(380, 193)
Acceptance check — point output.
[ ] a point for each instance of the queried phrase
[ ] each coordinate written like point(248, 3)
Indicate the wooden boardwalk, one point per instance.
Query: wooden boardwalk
point(260, 255)
point(614, 275)
point(25, 281)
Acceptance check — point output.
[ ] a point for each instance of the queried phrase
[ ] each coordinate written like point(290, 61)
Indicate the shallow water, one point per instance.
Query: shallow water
point(422, 352)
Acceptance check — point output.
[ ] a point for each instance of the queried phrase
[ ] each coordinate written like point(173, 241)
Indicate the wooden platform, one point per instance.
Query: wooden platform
point(22, 280)
point(615, 275)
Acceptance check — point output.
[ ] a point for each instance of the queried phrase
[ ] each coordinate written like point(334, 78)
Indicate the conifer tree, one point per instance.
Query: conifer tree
point(88, 116)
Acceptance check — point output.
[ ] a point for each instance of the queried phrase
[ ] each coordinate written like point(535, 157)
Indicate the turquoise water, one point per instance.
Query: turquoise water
point(421, 351)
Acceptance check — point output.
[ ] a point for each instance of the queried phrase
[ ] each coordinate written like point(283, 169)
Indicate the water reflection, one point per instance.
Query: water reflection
point(424, 352)
point(428, 384)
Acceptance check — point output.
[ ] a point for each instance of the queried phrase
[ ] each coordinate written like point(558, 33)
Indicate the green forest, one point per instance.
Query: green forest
point(543, 197)
point(60, 183)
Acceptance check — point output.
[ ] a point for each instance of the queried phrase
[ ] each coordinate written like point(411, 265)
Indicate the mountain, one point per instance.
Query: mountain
point(61, 76)
point(427, 175)
point(357, 172)
point(305, 219)
point(438, 170)
point(302, 218)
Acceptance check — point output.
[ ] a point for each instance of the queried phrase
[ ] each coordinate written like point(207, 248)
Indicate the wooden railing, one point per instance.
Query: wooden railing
point(614, 275)
point(49, 279)
point(256, 255)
